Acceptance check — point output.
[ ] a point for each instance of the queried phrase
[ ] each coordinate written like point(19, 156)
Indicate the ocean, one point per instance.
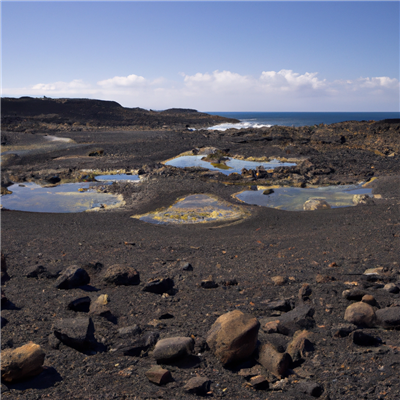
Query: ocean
point(261, 119)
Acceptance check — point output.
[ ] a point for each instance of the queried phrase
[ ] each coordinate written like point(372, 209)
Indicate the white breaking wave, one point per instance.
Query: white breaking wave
point(238, 125)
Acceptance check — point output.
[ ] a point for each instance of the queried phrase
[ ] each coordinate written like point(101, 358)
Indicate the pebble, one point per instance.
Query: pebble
point(315, 204)
point(305, 292)
point(75, 332)
point(209, 283)
point(391, 288)
point(279, 280)
point(389, 317)
point(301, 346)
point(80, 305)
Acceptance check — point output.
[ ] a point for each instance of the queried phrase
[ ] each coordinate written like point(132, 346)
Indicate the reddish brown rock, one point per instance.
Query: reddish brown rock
point(23, 362)
point(233, 336)
point(159, 375)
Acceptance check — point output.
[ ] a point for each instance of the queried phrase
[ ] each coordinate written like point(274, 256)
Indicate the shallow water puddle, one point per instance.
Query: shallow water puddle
point(227, 167)
point(293, 198)
point(66, 198)
point(117, 178)
point(193, 209)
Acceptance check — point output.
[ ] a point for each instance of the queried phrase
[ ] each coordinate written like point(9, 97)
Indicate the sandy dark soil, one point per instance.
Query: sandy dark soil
point(339, 244)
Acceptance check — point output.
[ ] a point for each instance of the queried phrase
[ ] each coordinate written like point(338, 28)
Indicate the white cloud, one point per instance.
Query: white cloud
point(124, 81)
point(283, 90)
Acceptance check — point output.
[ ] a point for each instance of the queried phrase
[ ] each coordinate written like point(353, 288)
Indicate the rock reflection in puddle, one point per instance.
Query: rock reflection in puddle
point(229, 166)
point(196, 208)
point(293, 198)
point(66, 198)
point(117, 178)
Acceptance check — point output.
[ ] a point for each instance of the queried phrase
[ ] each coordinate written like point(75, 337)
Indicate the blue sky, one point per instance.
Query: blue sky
point(211, 56)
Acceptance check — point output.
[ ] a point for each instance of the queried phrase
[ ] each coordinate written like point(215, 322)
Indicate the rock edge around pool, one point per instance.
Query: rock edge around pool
point(233, 336)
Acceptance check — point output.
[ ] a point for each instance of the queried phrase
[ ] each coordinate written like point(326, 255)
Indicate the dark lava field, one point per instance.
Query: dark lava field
point(274, 304)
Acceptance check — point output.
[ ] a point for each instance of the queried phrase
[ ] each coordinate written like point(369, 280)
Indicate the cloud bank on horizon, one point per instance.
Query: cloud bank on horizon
point(230, 91)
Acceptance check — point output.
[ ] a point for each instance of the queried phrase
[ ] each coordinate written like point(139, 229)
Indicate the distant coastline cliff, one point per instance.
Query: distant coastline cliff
point(28, 114)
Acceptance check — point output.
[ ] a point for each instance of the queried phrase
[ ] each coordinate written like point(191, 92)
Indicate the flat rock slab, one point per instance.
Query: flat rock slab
point(233, 336)
point(171, 349)
point(23, 362)
point(121, 275)
point(72, 277)
point(75, 332)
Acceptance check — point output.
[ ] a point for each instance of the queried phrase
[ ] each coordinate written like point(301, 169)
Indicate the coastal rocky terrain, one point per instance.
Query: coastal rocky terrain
point(275, 305)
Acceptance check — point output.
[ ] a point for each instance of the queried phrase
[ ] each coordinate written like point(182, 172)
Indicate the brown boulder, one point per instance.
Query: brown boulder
point(233, 336)
point(23, 362)
point(360, 314)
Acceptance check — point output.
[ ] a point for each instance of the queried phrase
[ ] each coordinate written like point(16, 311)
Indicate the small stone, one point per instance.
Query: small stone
point(362, 199)
point(129, 331)
point(247, 373)
point(301, 346)
point(278, 305)
point(364, 339)
point(4, 275)
point(209, 283)
point(171, 349)
point(279, 280)
point(159, 286)
point(159, 375)
point(233, 336)
point(259, 382)
point(305, 292)
point(72, 277)
point(343, 330)
point(198, 385)
point(276, 363)
point(391, 288)
point(333, 265)
point(353, 294)
point(23, 362)
point(121, 275)
point(271, 327)
point(137, 347)
point(80, 305)
point(4, 322)
point(316, 204)
point(369, 299)
point(324, 278)
point(185, 266)
point(311, 388)
point(389, 317)
point(268, 191)
point(360, 314)
point(301, 317)
point(75, 332)
point(374, 271)
point(99, 306)
point(4, 300)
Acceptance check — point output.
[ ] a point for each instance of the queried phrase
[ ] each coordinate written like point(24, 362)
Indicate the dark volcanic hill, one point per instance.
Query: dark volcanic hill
point(44, 114)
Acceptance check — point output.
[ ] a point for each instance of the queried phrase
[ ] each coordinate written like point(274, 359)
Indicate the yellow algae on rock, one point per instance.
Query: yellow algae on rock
point(197, 208)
